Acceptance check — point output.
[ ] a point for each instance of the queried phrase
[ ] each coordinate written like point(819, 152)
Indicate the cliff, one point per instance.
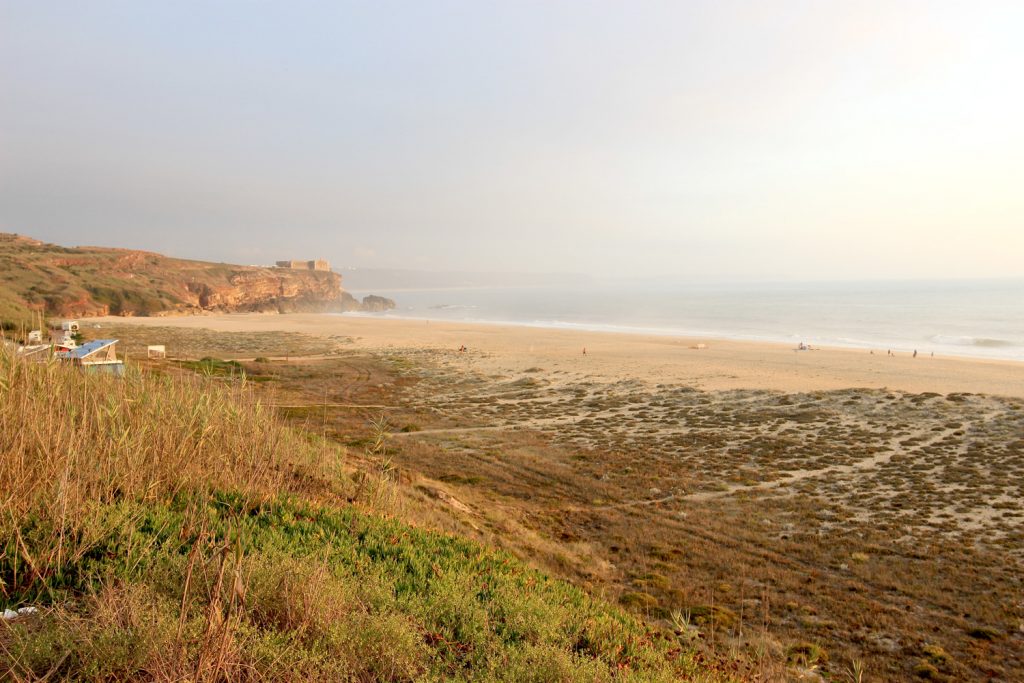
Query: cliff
point(90, 281)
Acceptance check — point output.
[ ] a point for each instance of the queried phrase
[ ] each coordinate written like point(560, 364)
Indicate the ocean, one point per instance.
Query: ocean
point(982, 319)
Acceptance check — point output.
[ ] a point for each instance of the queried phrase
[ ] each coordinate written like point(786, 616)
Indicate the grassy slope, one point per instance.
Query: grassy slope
point(30, 279)
point(170, 528)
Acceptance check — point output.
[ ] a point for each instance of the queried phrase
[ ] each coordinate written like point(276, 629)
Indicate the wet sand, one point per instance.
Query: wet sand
point(723, 364)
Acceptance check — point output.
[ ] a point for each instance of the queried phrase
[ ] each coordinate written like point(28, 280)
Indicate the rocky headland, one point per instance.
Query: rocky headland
point(96, 281)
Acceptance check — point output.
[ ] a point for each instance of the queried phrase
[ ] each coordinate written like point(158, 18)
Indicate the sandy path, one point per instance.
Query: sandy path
point(510, 350)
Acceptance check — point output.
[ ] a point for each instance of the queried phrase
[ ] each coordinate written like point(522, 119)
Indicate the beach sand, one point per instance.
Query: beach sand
point(721, 365)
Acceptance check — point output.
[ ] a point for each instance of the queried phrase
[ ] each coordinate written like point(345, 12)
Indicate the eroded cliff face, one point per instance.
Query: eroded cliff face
point(89, 281)
point(264, 290)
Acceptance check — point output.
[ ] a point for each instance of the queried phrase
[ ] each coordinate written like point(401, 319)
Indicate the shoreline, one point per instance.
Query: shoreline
point(609, 328)
point(509, 351)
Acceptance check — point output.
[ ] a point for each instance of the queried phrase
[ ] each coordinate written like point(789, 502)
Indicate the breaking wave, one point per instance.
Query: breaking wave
point(983, 342)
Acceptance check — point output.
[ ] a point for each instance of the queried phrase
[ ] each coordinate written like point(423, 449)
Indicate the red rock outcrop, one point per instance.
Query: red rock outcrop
point(265, 290)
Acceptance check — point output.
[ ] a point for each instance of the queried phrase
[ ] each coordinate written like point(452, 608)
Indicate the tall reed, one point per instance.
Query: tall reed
point(71, 442)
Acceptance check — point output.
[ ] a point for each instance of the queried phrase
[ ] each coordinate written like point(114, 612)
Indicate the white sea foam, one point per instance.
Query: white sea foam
point(971, 341)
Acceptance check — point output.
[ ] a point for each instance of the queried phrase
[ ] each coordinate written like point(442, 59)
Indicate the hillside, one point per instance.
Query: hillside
point(90, 281)
point(199, 538)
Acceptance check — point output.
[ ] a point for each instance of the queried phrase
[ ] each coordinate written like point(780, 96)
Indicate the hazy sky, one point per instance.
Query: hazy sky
point(754, 140)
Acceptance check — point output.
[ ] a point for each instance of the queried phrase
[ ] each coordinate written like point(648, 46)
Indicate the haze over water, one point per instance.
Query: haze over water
point(982, 319)
point(751, 140)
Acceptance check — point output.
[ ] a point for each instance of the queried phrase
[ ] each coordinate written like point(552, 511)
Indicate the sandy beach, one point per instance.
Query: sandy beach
point(720, 365)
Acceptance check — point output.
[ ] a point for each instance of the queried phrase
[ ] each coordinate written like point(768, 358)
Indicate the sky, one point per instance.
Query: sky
point(722, 140)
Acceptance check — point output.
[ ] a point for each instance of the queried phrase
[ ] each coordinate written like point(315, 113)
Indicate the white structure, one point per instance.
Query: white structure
point(156, 351)
point(38, 353)
point(64, 338)
point(99, 355)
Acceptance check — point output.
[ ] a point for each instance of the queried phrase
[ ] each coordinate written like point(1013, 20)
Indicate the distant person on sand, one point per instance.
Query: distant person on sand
point(584, 350)
point(915, 353)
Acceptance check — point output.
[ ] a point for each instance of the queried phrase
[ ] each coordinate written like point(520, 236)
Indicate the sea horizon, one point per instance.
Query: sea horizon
point(960, 318)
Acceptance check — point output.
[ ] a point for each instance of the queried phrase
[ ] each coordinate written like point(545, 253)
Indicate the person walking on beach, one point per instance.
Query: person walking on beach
point(915, 353)
point(584, 350)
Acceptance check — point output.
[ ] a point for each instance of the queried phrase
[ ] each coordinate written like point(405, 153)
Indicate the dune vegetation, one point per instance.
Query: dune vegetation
point(169, 527)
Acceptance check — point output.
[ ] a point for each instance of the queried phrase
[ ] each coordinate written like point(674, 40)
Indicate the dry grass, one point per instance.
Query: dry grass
point(169, 527)
point(186, 343)
point(73, 442)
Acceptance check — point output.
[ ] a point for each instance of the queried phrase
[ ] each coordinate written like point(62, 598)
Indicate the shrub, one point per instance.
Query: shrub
point(983, 633)
point(805, 654)
point(703, 616)
point(639, 600)
point(937, 655)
